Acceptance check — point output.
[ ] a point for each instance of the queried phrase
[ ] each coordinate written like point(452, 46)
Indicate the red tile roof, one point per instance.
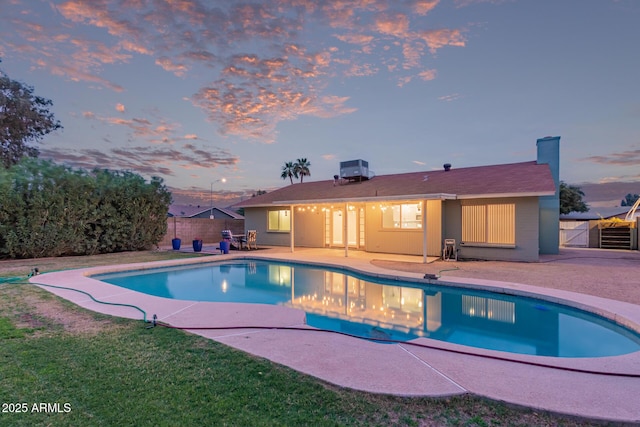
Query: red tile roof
point(508, 180)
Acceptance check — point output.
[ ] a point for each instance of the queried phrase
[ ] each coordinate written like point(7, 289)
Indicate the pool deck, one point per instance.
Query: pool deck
point(400, 369)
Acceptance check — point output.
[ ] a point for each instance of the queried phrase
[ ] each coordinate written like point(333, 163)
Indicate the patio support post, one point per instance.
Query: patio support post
point(292, 232)
point(345, 229)
point(345, 282)
point(293, 284)
point(424, 231)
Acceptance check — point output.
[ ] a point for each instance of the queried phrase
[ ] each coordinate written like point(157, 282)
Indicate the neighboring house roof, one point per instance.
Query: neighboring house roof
point(596, 213)
point(186, 210)
point(190, 211)
point(508, 180)
point(231, 213)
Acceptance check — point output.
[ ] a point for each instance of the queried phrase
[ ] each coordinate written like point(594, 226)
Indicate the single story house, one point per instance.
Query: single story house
point(497, 212)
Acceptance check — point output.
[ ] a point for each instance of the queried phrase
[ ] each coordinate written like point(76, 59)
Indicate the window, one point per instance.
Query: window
point(280, 275)
point(279, 220)
point(406, 215)
point(489, 223)
point(489, 308)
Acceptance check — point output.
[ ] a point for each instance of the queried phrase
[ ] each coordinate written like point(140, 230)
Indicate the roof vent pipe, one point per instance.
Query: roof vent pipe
point(447, 167)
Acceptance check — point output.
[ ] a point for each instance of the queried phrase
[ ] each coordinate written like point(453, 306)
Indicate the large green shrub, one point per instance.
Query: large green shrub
point(52, 210)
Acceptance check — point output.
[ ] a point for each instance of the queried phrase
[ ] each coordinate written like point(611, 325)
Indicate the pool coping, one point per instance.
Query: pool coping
point(400, 369)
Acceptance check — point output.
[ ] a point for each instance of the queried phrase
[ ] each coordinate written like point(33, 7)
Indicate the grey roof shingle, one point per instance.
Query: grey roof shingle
point(186, 210)
point(189, 211)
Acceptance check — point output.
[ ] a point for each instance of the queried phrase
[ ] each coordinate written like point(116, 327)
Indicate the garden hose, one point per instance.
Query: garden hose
point(436, 276)
point(4, 280)
point(117, 304)
point(35, 271)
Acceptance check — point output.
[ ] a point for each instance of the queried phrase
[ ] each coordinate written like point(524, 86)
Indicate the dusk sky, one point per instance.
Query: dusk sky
point(196, 91)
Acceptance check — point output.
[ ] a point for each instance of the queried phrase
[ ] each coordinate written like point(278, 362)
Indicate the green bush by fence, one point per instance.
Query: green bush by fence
point(52, 210)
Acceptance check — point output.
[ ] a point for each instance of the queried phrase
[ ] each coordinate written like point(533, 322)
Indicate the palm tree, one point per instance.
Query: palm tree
point(302, 168)
point(289, 171)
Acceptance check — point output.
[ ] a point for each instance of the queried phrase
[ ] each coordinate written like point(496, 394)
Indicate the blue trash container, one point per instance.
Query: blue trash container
point(224, 246)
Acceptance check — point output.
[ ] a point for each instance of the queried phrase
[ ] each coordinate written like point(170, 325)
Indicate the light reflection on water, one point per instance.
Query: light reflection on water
point(365, 306)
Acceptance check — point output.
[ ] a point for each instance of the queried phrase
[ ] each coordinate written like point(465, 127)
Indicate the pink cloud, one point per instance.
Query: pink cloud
point(427, 74)
point(464, 3)
point(76, 74)
point(360, 39)
point(437, 39)
point(98, 14)
point(412, 53)
point(360, 70)
point(261, 61)
point(396, 25)
point(155, 130)
point(54, 49)
point(449, 98)
point(620, 178)
point(624, 158)
point(422, 7)
point(331, 106)
point(148, 160)
point(404, 80)
point(95, 54)
point(168, 65)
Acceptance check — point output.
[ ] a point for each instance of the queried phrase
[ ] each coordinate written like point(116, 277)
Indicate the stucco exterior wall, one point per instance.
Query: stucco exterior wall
point(407, 242)
point(256, 219)
point(434, 227)
point(309, 228)
point(444, 221)
point(526, 231)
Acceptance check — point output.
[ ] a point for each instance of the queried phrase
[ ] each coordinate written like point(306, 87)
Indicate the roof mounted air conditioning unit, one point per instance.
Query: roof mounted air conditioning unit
point(354, 170)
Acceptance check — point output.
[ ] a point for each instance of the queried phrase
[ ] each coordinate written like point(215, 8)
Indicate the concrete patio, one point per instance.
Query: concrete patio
point(609, 392)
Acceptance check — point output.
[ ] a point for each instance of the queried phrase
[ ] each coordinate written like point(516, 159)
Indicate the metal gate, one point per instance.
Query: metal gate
point(574, 233)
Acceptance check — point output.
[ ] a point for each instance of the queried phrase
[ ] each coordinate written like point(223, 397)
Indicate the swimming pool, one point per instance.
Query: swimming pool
point(387, 309)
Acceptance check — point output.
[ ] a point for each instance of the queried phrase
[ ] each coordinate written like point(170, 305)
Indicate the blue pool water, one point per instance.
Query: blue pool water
point(385, 309)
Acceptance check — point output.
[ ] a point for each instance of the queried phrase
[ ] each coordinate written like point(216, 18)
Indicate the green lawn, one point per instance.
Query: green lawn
point(101, 370)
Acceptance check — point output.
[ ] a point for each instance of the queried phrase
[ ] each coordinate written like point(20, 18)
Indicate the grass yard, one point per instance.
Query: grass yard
point(96, 370)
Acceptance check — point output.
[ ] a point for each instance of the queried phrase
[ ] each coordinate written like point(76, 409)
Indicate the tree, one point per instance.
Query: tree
point(571, 199)
point(51, 210)
point(289, 171)
point(629, 199)
point(24, 119)
point(302, 168)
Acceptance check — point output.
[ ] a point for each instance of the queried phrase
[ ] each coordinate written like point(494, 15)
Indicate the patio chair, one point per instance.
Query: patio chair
point(250, 239)
point(229, 237)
